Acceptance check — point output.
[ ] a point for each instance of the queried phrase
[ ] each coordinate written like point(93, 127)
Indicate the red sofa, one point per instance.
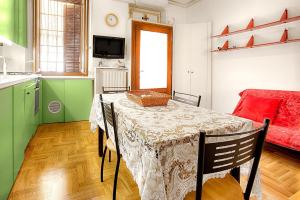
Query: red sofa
point(285, 125)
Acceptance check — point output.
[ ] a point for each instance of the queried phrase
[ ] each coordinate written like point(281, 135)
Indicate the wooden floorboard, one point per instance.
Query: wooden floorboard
point(61, 162)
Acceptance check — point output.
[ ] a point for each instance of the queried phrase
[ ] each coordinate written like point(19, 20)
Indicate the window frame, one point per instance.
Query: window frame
point(84, 50)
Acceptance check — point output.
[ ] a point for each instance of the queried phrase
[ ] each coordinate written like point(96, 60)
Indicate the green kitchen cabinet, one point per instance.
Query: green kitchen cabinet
point(66, 100)
point(6, 142)
point(19, 125)
point(78, 99)
point(30, 123)
point(38, 115)
point(53, 100)
point(25, 120)
point(13, 21)
point(7, 28)
point(20, 22)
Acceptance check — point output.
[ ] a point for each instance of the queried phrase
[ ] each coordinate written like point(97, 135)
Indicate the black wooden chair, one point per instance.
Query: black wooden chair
point(109, 117)
point(112, 90)
point(220, 156)
point(187, 98)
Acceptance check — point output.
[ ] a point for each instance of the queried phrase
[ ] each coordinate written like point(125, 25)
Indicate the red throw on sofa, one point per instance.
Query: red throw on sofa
point(282, 107)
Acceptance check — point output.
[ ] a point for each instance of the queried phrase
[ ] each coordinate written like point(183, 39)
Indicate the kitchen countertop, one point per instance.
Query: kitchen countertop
point(11, 80)
point(68, 77)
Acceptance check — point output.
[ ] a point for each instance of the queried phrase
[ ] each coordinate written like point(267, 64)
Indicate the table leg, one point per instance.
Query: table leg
point(100, 141)
point(235, 172)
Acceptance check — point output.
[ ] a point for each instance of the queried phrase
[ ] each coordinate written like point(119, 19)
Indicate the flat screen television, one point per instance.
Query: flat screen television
point(108, 47)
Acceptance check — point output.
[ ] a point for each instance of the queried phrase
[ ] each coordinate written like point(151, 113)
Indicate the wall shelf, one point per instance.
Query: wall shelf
point(283, 40)
point(251, 26)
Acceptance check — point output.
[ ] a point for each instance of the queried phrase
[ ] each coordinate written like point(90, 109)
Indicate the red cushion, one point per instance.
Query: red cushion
point(288, 111)
point(258, 108)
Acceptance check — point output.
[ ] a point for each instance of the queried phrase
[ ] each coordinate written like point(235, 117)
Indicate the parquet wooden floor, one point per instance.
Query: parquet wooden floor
point(62, 162)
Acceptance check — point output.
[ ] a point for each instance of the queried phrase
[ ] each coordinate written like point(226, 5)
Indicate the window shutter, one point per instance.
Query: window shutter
point(61, 36)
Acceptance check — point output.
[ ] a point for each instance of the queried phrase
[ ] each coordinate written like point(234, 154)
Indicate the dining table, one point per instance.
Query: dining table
point(160, 144)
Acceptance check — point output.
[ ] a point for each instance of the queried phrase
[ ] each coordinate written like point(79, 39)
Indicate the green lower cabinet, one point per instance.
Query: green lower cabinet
point(39, 115)
point(19, 126)
point(25, 121)
point(53, 101)
point(29, 112)
point(66, 100)
point(6, 142)
point(78, 99)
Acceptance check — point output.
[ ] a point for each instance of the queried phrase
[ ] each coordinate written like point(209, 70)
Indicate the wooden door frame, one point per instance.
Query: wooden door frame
point(137, 26)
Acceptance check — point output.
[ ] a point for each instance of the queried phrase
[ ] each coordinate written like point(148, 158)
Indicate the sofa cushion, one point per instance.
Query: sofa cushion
point(288, 112)
point(258, 108)
point(283, 136)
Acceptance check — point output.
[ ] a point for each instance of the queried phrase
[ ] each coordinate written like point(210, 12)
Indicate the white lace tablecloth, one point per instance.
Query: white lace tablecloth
point(160, 144)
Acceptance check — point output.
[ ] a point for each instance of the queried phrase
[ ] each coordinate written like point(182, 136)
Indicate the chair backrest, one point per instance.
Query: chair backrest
point(230, 154)
point(187, 98)
point(109, 117)
point(112, 90)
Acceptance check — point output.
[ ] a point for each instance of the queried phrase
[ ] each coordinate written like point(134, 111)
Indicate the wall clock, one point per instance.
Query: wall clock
point(111, 19)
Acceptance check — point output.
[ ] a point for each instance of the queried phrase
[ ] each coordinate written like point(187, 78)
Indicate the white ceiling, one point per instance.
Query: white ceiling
point(183, 3)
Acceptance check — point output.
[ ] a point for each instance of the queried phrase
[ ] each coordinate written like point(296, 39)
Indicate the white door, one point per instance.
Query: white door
point(181, 66)
point(192, 60)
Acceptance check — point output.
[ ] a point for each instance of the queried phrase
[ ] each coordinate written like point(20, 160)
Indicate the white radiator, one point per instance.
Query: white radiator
point(111, 77)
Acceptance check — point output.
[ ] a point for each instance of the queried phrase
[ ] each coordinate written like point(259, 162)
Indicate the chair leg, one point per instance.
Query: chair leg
point(116, 178)
point(235, 173)
point(100, 141)
point(102, 163)
point(109, 156)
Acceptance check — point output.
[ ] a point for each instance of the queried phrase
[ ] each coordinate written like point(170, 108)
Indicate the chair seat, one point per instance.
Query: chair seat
point(226, 188)
point(110, 145)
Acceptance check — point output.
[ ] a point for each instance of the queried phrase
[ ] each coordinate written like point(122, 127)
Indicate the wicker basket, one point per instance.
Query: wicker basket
point(148, 98)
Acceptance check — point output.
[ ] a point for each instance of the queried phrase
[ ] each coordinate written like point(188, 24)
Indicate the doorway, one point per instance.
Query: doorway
point(151, 57)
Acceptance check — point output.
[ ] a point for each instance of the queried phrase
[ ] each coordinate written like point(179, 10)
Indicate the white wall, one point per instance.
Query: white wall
point(272, 67)
point(15, 58)
point(100, 8)
point(175, 15)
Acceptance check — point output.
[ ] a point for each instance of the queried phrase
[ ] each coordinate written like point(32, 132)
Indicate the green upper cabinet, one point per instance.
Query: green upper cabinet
point(13, 21)
point(53, 101)
point(6, 141)
point(78, 99)
point(7, 19)
point(20, 22)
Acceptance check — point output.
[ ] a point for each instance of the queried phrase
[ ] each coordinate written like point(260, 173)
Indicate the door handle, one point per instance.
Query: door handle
point(27, 93)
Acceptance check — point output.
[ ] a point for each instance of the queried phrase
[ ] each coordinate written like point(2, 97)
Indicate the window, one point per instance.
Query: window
point(61, 36)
